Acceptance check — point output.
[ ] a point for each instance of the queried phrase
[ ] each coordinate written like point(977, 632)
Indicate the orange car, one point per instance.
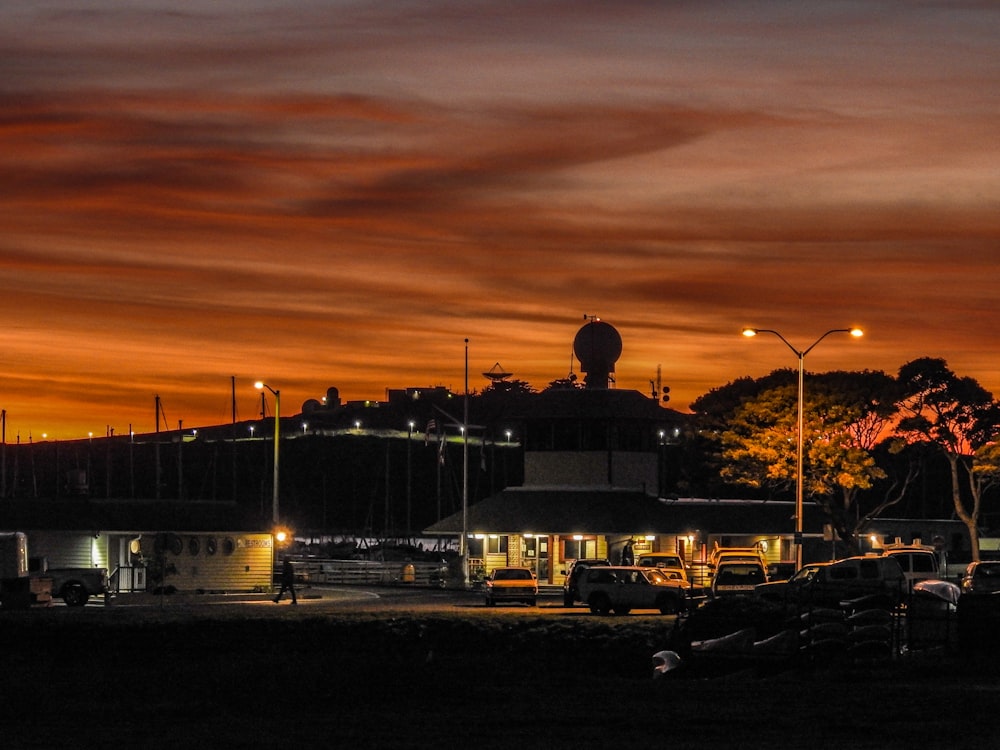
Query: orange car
point(511, 585)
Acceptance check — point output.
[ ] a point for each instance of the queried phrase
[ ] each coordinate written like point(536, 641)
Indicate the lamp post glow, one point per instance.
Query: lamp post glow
point(801, 355)
point(277, 434)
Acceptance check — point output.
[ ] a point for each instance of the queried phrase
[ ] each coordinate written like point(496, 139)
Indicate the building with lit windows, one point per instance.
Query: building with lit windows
point(594, 465)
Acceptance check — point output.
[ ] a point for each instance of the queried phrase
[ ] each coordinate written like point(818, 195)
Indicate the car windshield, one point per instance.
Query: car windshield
point(988, 570)
point(739, 574)
point(661, 561)
point(655, 576)
point(511, 574)
point(806, 573)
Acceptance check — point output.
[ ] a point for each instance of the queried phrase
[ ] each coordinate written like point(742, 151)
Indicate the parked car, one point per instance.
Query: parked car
point(621, 588)
point(918, 563)
point(851, 578)
point(719, 554)
point(780, 571)
point(76, 585)
point(668, 563)
point(787, 590)
point(981, 577)
point(511, 584)
point(571, 592)
point(733, 576)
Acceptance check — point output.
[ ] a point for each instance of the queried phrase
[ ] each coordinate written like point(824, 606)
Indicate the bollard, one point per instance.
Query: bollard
point(408, 574)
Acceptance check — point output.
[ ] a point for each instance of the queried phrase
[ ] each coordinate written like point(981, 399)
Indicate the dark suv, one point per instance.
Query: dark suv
point(841, 580)
point(571, 584)
point(981, 577)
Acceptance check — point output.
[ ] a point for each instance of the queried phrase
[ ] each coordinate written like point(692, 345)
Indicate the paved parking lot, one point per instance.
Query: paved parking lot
point(358, 598)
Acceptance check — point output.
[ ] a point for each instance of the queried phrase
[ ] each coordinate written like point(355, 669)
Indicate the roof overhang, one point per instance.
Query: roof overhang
point(564, 510)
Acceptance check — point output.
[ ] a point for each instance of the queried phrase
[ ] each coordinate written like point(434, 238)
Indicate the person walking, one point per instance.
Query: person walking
point(628, 556)
point(287, 580)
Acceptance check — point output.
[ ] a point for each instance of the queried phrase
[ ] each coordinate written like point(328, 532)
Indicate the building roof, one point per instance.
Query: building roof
point(567, 510)
point(591, 404)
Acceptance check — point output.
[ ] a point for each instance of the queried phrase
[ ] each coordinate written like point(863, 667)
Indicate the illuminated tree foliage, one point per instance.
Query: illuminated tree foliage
point(845, 415)
point(986, 467)
point(958, 417)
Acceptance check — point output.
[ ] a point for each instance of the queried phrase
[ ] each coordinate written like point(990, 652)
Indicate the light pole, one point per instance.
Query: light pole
point(464, 546)
point(409, 476)
point(801, 355)
point(277, 435)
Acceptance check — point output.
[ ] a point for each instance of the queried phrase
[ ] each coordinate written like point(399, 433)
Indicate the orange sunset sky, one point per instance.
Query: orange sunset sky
point(340, 193)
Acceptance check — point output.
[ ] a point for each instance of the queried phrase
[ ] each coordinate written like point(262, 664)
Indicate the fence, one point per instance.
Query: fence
point(127, 579)
point(370, 572)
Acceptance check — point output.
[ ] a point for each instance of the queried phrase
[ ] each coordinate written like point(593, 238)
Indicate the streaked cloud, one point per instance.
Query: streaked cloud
point(339, 193)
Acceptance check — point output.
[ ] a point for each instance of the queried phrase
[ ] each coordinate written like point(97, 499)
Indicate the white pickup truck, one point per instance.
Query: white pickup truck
point(620, 589)
point(20, 588)
point(76, 585)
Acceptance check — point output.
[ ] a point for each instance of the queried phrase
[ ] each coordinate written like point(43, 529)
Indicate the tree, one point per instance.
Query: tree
point(564, 384)
point(715, 408)
point(508, 388)
point(705, 464)
point(872, 398)
point(959, 418)
point(986, 467)
point(844, 416)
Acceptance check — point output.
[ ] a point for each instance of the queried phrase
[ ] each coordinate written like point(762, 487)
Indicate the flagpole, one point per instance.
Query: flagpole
point(464, 545)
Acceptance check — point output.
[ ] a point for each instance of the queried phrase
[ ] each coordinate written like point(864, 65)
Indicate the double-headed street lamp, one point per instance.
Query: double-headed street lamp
point(277, 434)
point(856, 332)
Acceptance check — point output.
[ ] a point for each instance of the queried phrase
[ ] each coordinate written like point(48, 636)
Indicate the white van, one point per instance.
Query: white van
point(919, 563)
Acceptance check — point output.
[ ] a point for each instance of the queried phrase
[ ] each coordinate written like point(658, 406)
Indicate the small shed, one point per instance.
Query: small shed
point(189, 546)
point(208, 562)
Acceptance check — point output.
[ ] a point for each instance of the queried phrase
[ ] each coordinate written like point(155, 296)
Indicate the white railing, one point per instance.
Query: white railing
point(127, 579)
point(371, 572)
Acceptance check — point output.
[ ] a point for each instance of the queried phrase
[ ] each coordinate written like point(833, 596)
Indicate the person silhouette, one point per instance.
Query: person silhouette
point(628, 556)
point(287, 580)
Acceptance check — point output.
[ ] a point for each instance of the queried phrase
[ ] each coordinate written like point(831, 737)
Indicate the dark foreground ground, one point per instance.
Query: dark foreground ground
point(477, 679)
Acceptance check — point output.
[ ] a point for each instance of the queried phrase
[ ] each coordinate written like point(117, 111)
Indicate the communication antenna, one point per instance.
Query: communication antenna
point(496, 373)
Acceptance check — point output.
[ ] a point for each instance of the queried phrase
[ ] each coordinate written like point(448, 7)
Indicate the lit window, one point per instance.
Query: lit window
point(496, 545)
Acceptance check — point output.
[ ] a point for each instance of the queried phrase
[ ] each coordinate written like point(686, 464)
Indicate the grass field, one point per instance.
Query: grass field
point(483, 679)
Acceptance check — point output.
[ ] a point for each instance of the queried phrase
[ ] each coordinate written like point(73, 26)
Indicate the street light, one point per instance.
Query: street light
point(277, 434)
point(409, 475)
point(801, 355)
